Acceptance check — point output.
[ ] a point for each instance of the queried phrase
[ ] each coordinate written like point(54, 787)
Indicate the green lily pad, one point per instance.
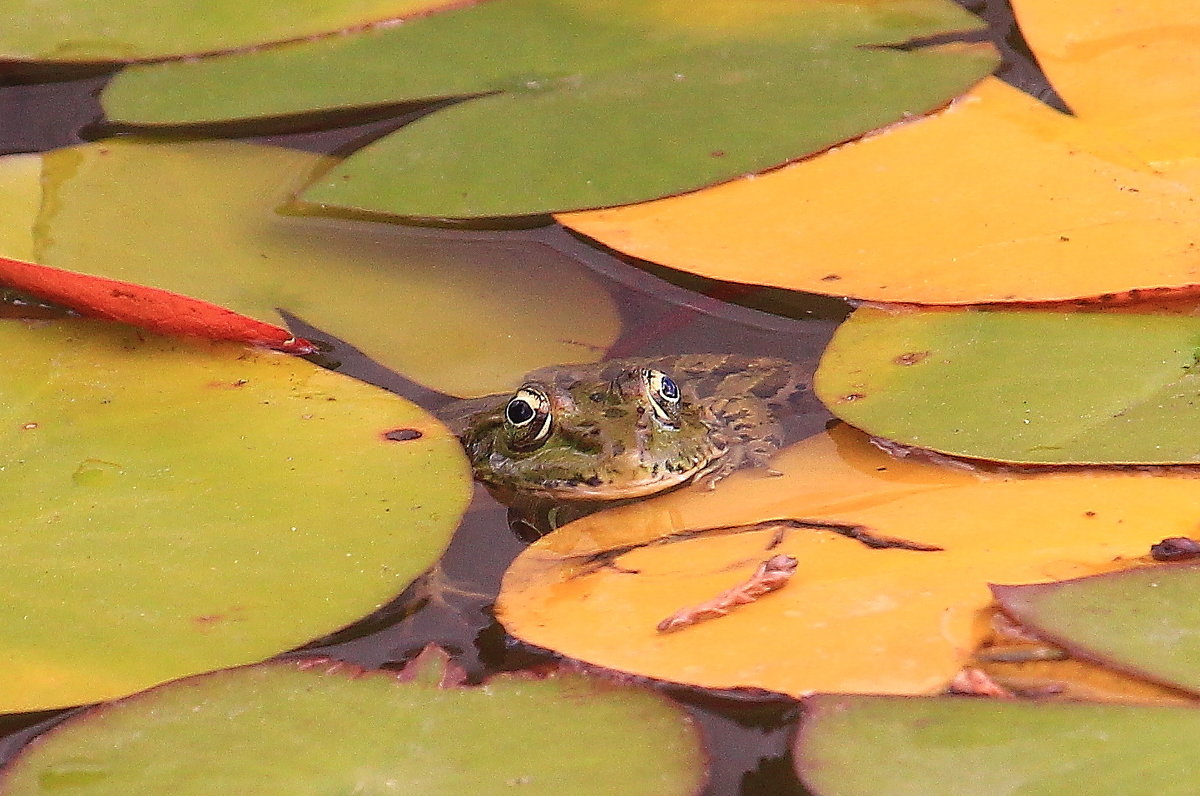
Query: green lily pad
point(1144, 621)
point(174, 506)
point(126, 30)
point(461, 313)
point(316, 727)
point(583, 103)
point(905, 746)
point(1029, 386)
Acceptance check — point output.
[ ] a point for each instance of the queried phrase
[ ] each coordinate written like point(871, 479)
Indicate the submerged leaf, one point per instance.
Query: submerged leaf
point(127, 30)
point(1146, 621)
point(851, 618)
point(583, 103)
point(1021, 385)
point(850, 745)
point(457, 312)
point(177, 506)
point(319, 727)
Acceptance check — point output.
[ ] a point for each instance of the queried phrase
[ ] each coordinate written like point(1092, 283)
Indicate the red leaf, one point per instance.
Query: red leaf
point(150, 308)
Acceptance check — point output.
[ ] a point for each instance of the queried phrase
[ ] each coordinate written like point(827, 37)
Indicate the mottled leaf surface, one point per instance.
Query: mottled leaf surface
point(177, 506)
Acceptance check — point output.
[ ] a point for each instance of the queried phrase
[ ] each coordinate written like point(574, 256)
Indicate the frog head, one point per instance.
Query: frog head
point(634, 435)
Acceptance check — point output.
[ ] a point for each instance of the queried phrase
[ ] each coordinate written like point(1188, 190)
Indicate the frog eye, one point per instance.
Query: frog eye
point(664, 396)
point(528, 417)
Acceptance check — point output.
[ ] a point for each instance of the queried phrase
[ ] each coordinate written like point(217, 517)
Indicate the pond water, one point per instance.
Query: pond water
point(746, 737)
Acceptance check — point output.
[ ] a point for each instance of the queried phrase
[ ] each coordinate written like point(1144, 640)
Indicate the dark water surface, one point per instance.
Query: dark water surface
point(747, 740)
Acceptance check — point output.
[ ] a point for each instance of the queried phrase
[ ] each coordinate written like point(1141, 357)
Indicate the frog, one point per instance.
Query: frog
point(626, 429)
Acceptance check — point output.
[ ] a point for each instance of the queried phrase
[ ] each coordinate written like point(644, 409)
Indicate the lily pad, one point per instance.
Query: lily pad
point(998, 198)
point(583, 103)
point(20, 203)
point(424, 303)
point(1021, 385)
point(1021, 663)
point(1125, 67)
point(850, 745)
point(174, 506)
point(1144, 621)
point(318, 727)
point(851, 618)
point(127, 30)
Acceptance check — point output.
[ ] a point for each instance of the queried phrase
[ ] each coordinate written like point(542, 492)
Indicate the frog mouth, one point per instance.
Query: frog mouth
point(597, 489)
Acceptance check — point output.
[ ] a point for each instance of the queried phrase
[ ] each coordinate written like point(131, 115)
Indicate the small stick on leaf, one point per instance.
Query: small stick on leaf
point(976, 682)
point(772, 574)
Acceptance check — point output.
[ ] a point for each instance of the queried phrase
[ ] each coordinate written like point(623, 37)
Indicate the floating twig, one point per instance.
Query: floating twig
point(772, 574)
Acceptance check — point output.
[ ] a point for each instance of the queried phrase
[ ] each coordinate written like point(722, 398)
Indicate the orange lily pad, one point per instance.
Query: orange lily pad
point(1127, 67)
point(852, 618)
point(998, 198)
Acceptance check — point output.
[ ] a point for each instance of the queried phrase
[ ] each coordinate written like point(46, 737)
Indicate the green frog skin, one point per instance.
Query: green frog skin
point(626, 428)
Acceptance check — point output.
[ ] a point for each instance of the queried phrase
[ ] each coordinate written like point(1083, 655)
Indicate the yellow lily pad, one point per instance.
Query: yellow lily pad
point(852, 618)
point(20, 203)
point(201, 219)
point(998, 198)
